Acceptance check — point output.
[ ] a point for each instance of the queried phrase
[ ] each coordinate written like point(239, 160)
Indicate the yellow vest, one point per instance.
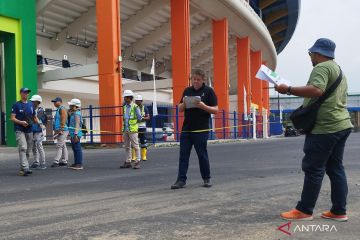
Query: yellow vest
point(133, 121)
point(143, 123)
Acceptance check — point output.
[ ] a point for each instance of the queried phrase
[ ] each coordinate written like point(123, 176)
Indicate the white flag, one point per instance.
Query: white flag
point(245, 106)
point(152, 71)
point(155, 112)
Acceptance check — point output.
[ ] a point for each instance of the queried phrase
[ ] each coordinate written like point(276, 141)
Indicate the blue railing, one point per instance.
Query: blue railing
point(166, 126)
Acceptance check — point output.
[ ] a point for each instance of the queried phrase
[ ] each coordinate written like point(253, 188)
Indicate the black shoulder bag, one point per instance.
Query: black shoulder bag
point(304, 118)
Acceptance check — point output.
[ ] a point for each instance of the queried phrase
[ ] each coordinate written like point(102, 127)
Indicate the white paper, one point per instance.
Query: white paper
point(191, 102)
point(270, 76)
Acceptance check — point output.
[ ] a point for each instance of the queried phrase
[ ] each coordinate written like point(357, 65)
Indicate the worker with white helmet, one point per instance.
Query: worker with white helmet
point(131, 118)
point(75, 130)
point(38, 135)
point(142, 127)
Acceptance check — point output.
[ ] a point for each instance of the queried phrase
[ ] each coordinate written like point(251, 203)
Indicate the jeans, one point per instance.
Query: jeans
point(324, 154)
point(38, 149)
point(24, 142)
point(78, 154)
point(199, 141)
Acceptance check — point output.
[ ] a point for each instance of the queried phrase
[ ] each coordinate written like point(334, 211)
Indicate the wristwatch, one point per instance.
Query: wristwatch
point(288, 92)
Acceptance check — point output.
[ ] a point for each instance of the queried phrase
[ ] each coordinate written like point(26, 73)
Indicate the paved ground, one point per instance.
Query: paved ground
point(253, 183)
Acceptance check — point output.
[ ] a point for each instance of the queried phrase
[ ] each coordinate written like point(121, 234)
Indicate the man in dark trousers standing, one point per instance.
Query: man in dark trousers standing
point(195, 130)
point(324, 145)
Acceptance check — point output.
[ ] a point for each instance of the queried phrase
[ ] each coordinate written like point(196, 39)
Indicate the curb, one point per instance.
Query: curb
point(223, 141)
point(162, 145)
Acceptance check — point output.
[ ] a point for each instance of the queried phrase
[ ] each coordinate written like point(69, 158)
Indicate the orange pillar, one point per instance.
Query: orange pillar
point(266, 101)
point(109, 50)
point(181, 56)
point(220, 34)
point(243, 69)
point(256, 84)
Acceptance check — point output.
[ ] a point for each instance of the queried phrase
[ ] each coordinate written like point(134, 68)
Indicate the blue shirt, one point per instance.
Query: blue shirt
point(146, 112)
point(23, 112)
point(127, 116)
point(40, 114)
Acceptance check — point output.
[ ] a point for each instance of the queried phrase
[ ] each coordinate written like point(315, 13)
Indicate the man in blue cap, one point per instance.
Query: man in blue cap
point(61, 132)
point(324, 145)
point(23, 116)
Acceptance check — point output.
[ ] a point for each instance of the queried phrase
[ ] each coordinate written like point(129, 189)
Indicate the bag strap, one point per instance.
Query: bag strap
point(27, 116)
point(331, 89)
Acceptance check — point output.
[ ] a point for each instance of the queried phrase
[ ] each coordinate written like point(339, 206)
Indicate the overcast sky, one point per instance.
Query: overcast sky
point(335, 19)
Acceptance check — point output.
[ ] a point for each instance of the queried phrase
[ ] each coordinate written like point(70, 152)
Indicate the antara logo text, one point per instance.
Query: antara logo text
point(286, 228)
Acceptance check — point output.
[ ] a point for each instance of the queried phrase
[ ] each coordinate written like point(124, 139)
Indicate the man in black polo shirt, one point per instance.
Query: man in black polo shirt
point(195, 131)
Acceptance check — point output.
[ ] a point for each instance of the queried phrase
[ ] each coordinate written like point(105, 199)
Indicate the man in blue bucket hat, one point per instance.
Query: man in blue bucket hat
point(324, 47)
point(324, 145)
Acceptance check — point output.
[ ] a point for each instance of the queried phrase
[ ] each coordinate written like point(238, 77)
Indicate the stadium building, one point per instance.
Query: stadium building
point(94, 49)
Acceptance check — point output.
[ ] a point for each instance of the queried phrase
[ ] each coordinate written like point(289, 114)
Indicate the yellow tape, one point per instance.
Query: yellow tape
point(195, 131)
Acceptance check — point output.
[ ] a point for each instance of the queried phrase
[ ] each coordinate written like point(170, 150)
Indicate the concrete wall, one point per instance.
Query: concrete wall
point(233, 103)
point(75, 54)
point(353, 100)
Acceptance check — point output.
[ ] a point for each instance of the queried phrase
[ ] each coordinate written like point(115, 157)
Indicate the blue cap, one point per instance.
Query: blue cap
point(57, 99)
point(325, 47)
point(25, 90)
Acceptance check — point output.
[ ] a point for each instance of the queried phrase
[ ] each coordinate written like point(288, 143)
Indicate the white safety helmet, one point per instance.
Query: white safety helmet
point(75, 102)
point(128, 93)
point(138, 98)
point(36, 98)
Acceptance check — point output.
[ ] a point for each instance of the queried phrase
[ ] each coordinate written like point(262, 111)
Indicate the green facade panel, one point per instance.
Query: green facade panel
point(20, 53)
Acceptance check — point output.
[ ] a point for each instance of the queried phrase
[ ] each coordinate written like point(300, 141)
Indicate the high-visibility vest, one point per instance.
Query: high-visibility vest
point(72, 124)
point(57, 120)
point(133, 121)
point(143, 123)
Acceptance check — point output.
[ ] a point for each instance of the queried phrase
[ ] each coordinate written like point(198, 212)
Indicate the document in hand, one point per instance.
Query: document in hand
point(191, 101)
point(267, 74)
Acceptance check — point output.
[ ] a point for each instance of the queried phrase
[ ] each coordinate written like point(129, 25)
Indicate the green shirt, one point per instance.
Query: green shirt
point(333, 115)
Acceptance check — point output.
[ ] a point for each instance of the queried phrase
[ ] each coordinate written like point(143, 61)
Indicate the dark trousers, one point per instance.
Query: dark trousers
point(324, 153)
point(78, 155)
point(199, 141)
point(142, 137)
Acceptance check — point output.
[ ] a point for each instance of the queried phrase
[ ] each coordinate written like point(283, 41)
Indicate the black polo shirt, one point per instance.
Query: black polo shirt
point(195, 118)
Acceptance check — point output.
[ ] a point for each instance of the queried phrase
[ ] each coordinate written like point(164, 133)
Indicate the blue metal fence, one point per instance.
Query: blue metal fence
point(166, 126)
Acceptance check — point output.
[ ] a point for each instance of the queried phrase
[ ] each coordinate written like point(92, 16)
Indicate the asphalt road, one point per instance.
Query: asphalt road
point(253, 183)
